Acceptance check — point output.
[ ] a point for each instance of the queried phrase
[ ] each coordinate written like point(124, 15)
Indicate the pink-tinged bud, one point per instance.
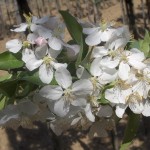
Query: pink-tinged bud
point(40, 41)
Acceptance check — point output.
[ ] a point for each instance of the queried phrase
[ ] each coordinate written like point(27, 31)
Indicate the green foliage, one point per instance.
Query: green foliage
point(131, 130)
point(8, 87)
point(75, 30)
point(2, 101)
point(32, 77)
point(143, 45)
point(10, 61)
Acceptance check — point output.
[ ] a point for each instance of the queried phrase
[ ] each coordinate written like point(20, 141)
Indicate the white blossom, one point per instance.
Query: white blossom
point(67, 92)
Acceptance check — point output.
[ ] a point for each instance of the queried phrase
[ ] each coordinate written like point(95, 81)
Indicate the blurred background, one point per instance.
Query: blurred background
point(134, 13)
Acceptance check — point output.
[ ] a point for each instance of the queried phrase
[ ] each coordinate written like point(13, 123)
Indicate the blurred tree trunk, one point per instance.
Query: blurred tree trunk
point(23, 8)
point(131, 17)
point(148, 9)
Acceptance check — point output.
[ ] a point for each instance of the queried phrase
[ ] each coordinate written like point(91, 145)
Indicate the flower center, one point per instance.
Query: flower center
point(93, 101)
point(68, 95)
point(95, 83)
point(134, 97)
point(26, 44)
point(124, 58)
point(112, 53)
point(122, 84)
point(48, 60)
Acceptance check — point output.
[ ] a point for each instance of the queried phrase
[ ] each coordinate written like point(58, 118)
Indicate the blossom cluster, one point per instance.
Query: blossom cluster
point(112, 78)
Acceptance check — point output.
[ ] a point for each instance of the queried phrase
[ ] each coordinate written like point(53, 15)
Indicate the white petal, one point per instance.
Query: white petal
point(106, 35)
point(72, 48)
point(14, 45)
point(45, 73)
point(42, 31)
point(136, 106)
point(137, 55)
point(41, 20)
point(137, 64)
point(32, 37)
point(117, 95)
point(120, 110)
point(33, 63)
point(107, 62)
point(142, 88)
point(82, 87)
point(20, 28)
point(93, 39)
point(52, 23)
point(34, 28)
point(124, 70)
point(59, 65)
point(27, 54)
point(89, 30)
point(79, 102)
point(51, 92)
point(88, 113)
point(108, 76)
point(112, 95)
point(61, 108)
point(146, 111)
point(53, 53)
point(120, 43)
point(41, 51)
point(99, 51)
point(55, 43)
point(82, 73)
point(63, 77)
point(95, 69)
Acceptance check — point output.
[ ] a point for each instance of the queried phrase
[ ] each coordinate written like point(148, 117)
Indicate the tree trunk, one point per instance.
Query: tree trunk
point(131, 17)
point(23, 8)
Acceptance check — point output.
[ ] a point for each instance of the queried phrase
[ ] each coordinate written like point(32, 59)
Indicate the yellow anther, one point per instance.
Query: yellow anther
point(47, 60)
point(26, 44)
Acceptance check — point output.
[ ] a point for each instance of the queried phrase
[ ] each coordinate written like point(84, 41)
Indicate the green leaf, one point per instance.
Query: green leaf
point(103, 100)
point(73, 26)
point(24, 88)
point(135, 44)
point(131, 130)
point(8, 87)
point(2, 101)
point(10, 61)
point(32, 77)
point(75, 30)
point(145, 47)
point(147, 36)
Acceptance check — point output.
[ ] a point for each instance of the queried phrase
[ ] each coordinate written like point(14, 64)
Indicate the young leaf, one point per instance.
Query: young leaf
point(131, 130)
point(10, 61)
point(75, 30)
point(73, 26)
point(147, 36)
